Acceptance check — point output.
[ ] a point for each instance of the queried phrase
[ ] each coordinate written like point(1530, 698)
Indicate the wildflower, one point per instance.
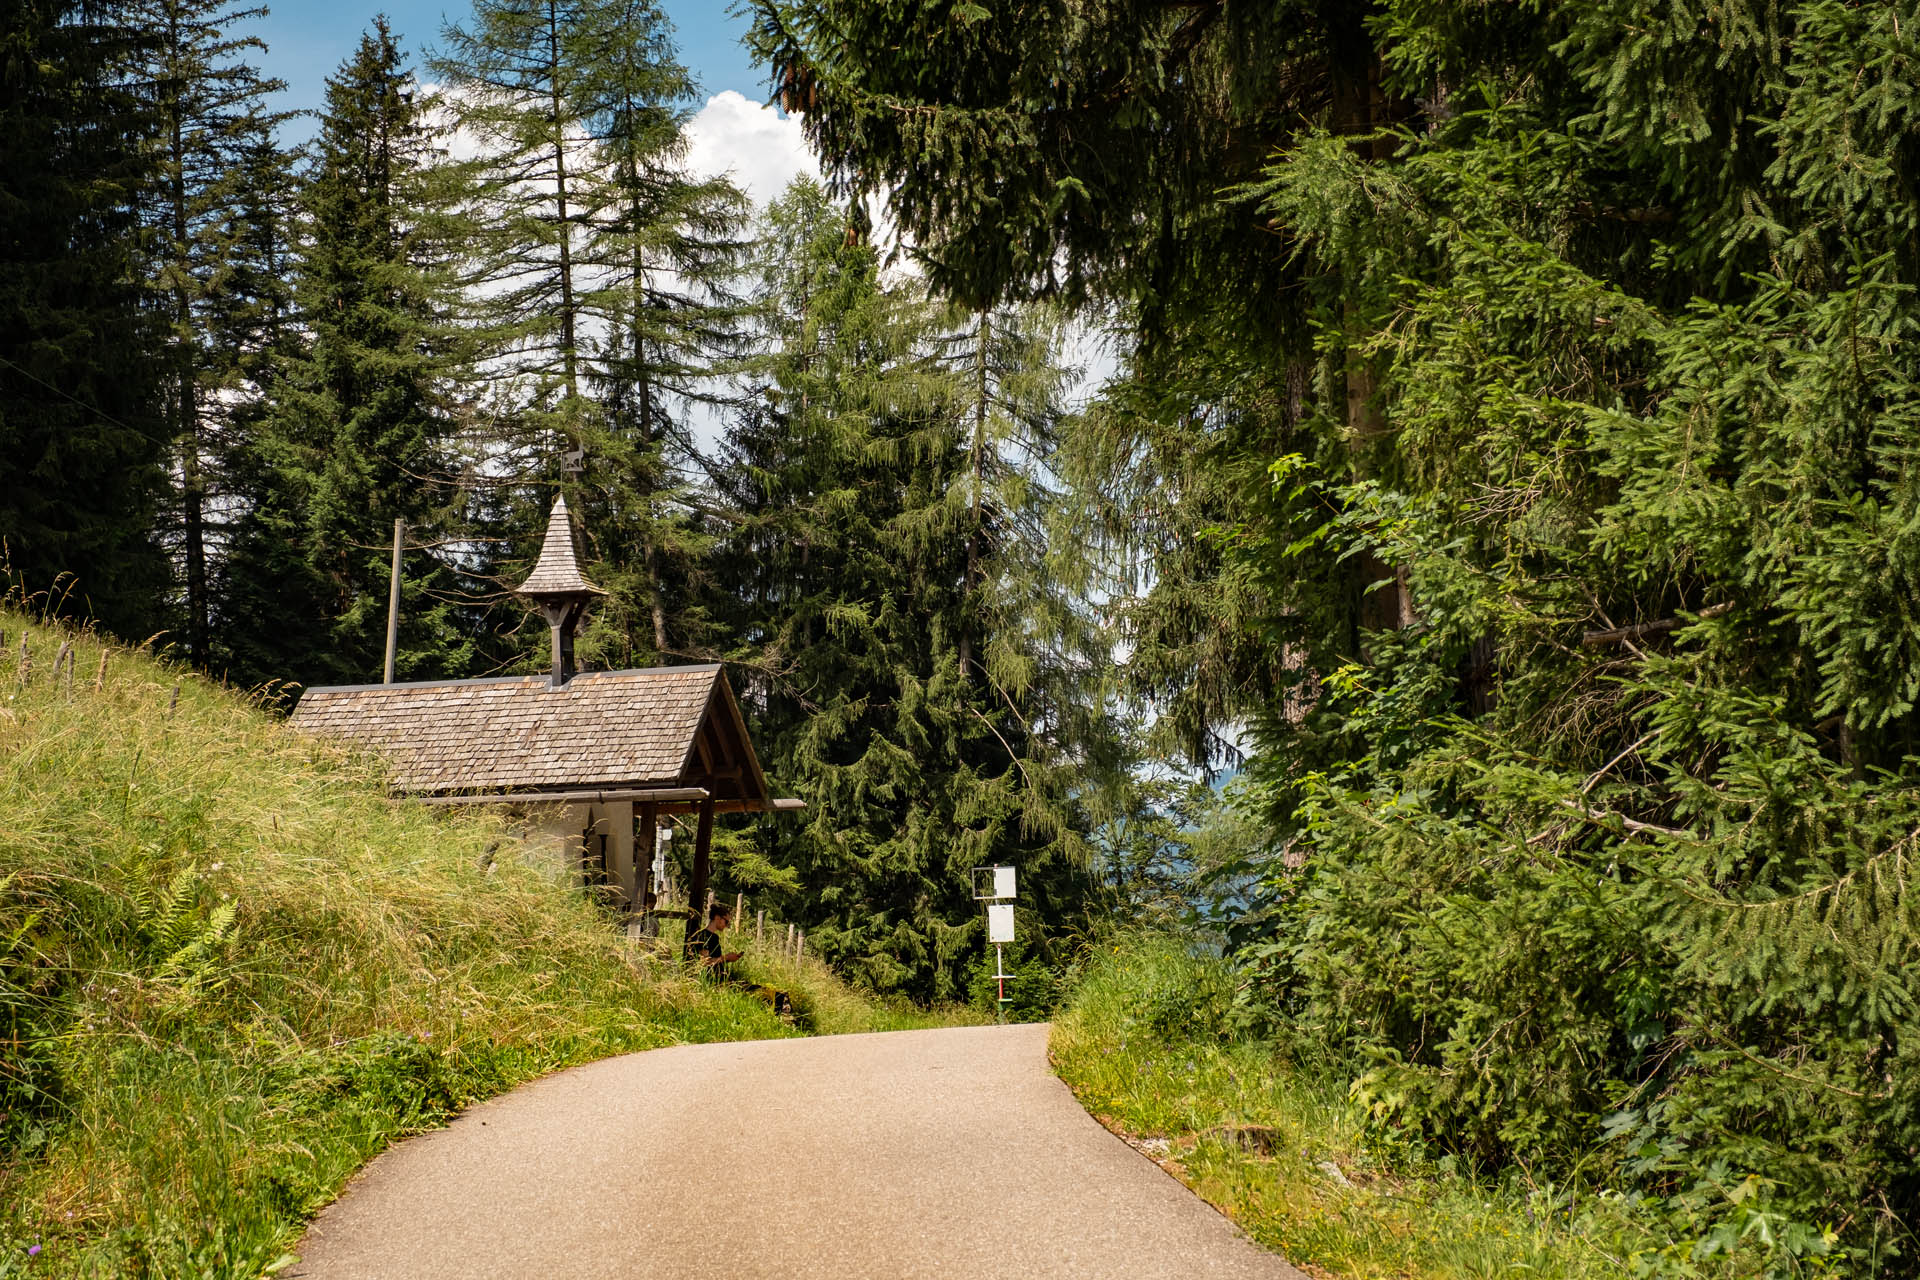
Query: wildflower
point(216, 866)
point(33, 1251)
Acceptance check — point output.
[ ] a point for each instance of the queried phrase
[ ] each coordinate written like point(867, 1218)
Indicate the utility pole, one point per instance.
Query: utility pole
point(393, 601)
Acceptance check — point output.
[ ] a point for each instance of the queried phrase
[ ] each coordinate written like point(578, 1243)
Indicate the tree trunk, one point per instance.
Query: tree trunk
point(1359, 107)
point(983, 338)
point(569, 353)
point(187, 404)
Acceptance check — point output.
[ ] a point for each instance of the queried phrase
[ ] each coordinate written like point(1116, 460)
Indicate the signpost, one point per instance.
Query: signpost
point(995, 886)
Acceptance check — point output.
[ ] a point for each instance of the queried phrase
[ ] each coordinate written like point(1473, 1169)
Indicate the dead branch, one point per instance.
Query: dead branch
point(1625, 635)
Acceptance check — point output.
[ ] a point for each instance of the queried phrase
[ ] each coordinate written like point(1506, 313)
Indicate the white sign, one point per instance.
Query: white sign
point(1000, 920)
point(1003, 882)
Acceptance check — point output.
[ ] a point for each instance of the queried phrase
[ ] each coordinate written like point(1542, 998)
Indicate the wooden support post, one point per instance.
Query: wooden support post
point(739, 905)
point(800, 951)
point(645, 837)
point(788, 949)
point(698, 891)
point(760, 927)
point(100, 676)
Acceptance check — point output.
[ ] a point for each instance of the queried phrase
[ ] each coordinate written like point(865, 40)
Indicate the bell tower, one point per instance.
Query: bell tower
point(558, 591)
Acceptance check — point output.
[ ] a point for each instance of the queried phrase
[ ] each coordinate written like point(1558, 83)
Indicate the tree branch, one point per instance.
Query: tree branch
point(1623, 635)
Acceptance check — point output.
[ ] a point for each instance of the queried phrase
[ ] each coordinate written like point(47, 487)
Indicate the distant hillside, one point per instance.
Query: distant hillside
point(231, 969)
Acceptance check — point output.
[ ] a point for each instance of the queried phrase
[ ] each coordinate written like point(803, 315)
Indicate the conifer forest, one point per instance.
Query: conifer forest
point(1483, 600)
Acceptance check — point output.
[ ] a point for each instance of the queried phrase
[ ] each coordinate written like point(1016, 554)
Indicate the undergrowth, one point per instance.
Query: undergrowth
point(1150, 1044)
point(232, 970)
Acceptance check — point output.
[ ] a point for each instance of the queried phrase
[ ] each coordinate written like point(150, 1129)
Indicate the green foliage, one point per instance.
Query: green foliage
point(879, 572)
point(1567, 473)
point(80, 430)
point(217, 248)
point(1148, 1043)
point(358, 434)
point(1033, 988)
point(599, 275)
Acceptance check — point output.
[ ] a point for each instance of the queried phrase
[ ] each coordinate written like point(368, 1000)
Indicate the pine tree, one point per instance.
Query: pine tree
point(79, 430)
point(358, 434)
point(215, 217)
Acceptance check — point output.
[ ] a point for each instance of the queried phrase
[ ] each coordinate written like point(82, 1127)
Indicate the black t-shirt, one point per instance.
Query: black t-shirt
point(705, 943)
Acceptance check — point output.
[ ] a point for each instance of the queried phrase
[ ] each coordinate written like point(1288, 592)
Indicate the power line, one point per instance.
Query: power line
point(93, 409)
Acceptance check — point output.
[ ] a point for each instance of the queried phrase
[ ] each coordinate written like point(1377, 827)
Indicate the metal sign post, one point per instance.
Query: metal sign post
point(995, 886)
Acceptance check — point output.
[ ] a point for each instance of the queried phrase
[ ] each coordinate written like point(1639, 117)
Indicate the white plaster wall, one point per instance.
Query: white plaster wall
point(553, 838)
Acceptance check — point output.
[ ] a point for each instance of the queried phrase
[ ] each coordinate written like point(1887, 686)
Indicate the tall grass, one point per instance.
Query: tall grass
point(1148, 1044)
point(231, 970)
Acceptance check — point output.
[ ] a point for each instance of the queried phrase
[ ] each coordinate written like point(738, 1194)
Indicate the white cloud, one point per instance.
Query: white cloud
point(762, 149)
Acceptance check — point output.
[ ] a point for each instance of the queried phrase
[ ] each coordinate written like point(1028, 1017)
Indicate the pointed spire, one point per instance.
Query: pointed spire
point(557, 573)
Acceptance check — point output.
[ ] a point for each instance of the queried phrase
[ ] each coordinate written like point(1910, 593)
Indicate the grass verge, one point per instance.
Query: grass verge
point(232, 970)
point(1283, 1152)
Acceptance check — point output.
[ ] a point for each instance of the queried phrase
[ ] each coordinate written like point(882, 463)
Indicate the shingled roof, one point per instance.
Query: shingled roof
point(658, 727)
point(557, 571)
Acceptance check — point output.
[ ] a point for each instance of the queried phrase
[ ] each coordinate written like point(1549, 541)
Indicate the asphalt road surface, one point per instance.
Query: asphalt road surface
point(951, 1153)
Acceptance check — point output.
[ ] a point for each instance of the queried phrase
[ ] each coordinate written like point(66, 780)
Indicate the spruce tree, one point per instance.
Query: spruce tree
point(358, 434)
point(1598, 856)
point(860, 556)
point(80, 434)
point(218, 244)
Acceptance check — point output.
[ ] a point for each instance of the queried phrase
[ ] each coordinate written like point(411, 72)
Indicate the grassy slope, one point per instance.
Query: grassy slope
point(1291, 1159)
point(231, 971)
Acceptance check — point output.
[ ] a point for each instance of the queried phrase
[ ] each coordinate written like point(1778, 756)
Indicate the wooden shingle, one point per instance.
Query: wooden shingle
point(607, 729)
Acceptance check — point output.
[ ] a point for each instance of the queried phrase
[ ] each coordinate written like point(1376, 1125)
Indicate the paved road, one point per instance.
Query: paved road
point(951, 1154)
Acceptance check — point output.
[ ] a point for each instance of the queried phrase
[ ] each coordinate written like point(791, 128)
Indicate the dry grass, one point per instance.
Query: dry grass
point(232, 970)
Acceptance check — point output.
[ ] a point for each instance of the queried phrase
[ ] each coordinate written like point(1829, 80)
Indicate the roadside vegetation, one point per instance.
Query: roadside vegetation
point(232, 970)
point(1155, 1046)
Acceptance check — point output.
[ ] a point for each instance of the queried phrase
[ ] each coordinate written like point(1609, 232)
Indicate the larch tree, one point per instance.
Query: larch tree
point(599, 272)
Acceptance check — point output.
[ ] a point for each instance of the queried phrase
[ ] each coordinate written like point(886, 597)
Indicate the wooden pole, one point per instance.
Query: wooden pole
point(760, 927)
point(644, 839)
point(100, 676)
point(393, 601)
point(739, 905)
point(698, 892)
point(800, 951)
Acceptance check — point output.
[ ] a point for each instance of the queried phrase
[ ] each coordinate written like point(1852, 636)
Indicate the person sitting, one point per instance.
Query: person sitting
point(704, 945)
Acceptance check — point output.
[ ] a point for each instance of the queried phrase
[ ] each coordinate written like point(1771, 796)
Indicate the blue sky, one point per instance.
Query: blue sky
point(308, 39)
